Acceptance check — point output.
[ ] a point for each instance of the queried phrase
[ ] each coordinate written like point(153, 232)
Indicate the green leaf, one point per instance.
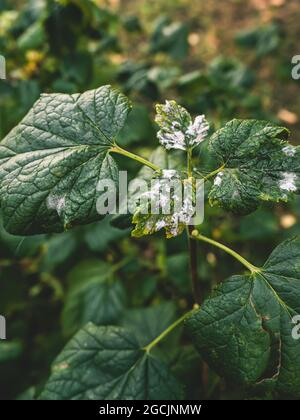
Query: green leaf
point(264, 40)
point(19, 245)
point(245, 329)
point(229, 73)
point(28, 395)
point(51, 162)
point(95, 295)
point(65, 242)
point(178, 271)
point(10, 350)
point(99, 235)
point(106, 363)
point(33, 38)
point(148, 323)
point(170, 37)
point(259, 165)
point(259, 226)
point(138, 128)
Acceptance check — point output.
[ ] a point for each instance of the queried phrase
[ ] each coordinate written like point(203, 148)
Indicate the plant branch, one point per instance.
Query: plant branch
point(189, 163)
point(213, 173)
point(168, 330)
point(192, 244)
point(120, 151)
point(196, 235)
point(119, 265)
point(193, 250)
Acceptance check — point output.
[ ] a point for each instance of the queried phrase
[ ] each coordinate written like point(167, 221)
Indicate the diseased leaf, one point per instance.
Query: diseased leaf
point(52, 161)
point(160, 158)
point(245, 329)
point(259, 165)
point(95, 295)
point(177, 130)
point(106, 363)
point(166, 205)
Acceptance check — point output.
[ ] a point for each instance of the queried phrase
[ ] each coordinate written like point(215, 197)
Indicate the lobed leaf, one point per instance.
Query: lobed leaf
point(51, 162)
point(245, 329)
point(106, 363)
point(258, 165)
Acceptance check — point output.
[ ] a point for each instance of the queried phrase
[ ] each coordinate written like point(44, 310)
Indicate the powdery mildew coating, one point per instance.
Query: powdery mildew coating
point(288, 182)
point(177, 130)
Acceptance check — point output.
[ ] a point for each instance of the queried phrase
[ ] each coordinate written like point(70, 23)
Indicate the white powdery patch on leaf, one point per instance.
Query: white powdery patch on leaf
point(57, 203)
point(218, 179)
point(175, 207)
point(175, 140)
point(289, 150)
point(160, 225)
point(197, 131)
point(184, 216)
point(177, 130)
point(288, 182)
point(160, 190)
point(170, 173)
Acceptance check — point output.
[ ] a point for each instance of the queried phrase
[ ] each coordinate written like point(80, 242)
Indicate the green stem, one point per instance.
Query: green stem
point(189, 163)
point(120, 151)
point(116, 267)
point(242, 260)
point(192, 244)
point(167, 331)
point(193, 251)
point(205, 178)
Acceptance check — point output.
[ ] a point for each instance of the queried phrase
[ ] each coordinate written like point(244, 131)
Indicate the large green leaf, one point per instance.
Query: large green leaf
point(52, 161)
point(245, 329)
point(259, 165)
point(95, 295)
point(106, 363)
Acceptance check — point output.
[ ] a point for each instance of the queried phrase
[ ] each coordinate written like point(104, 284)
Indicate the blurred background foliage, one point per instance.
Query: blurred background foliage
point(226, 60)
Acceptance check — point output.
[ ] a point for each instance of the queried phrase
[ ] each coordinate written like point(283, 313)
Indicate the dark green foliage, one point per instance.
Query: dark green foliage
point(106, 363)
point(244, 329)
point(132, 290)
